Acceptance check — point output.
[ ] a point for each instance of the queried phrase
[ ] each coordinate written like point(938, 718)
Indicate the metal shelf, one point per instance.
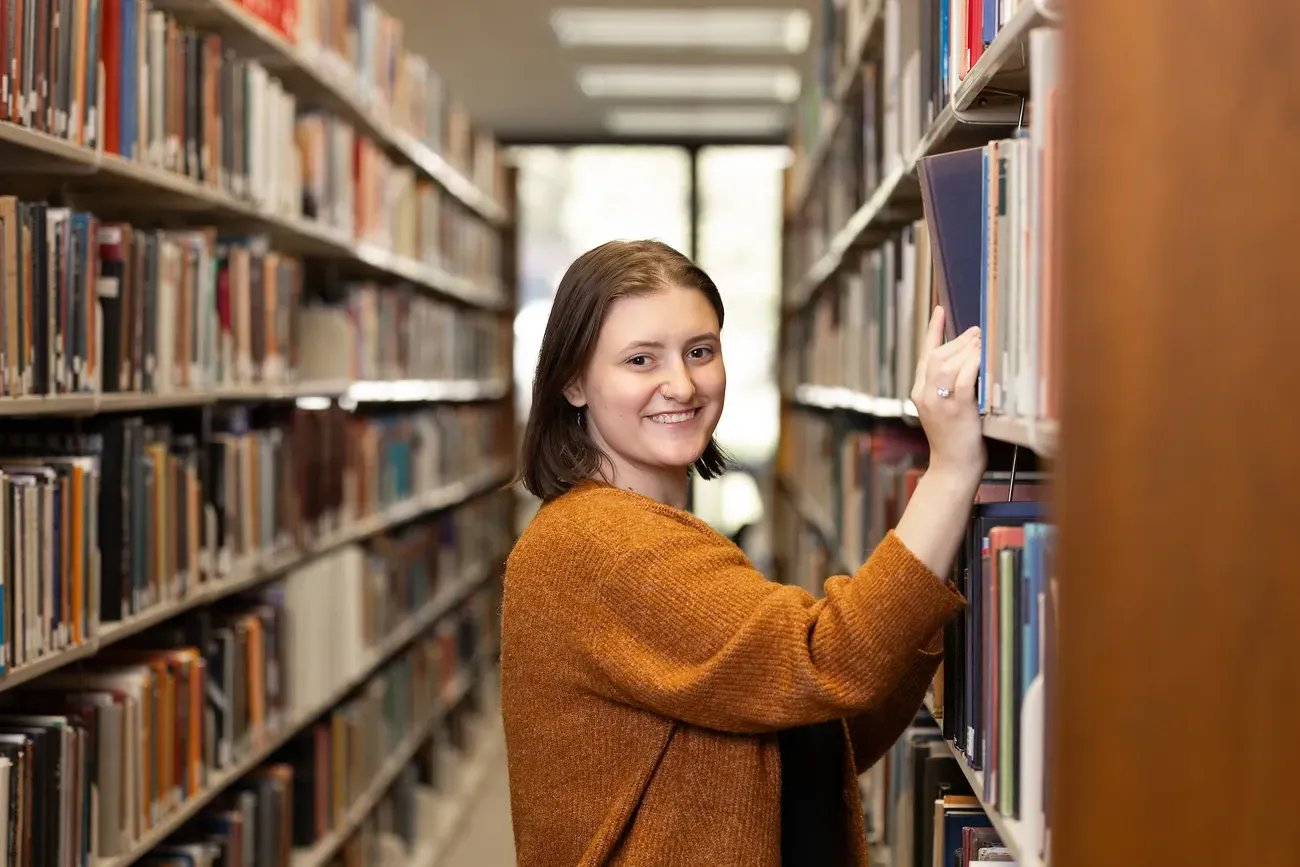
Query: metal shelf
point(361, 391)
point(1040, 435)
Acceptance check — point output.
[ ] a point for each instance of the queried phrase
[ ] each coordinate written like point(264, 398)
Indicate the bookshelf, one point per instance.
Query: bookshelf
point(902, 84)
point(255, 370)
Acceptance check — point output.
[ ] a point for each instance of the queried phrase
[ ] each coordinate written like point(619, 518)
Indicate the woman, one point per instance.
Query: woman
point(664, 704)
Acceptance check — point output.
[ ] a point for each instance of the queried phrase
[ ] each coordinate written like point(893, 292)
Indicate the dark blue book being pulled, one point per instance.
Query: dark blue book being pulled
point(952, 186)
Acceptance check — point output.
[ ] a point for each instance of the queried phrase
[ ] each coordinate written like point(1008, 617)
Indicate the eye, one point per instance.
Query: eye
point(639, 360)
point(701, 352)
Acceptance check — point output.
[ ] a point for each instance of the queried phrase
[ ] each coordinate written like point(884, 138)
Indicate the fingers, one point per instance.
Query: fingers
point(939, 363)
point(934, 334)
point(959, 371)
point(964, 388)
point(933, 340)
point(958, 344)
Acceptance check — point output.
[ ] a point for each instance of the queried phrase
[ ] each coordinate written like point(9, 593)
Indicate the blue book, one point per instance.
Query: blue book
point(953, 198)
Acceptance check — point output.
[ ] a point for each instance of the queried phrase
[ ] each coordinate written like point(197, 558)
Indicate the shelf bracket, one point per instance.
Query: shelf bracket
point(1007, 115)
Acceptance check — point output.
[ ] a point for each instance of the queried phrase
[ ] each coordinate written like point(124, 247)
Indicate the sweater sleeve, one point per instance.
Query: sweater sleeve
point(874, 731)
point(685, 626)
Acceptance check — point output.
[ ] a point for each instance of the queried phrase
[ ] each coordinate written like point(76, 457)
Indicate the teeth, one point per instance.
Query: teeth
point(673, 417)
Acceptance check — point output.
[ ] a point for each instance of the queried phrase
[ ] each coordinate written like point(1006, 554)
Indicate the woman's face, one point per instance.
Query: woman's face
point(655, 385)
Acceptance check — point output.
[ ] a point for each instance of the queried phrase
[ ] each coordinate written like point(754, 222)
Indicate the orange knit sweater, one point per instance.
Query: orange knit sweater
point(647, 666)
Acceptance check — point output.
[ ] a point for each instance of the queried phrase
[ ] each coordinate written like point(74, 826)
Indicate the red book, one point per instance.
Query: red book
point(110, 46)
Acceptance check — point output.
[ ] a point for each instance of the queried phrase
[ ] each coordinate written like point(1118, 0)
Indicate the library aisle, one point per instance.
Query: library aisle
point(273, 279)
point(486, 840)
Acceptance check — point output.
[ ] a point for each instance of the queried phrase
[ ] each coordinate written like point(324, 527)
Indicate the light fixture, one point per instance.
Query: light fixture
point(313, 403)
point(696, 121)
point(690, 82)
point(709, 28)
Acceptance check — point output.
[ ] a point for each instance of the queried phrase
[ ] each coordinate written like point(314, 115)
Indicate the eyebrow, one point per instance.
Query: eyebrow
point(657, 344)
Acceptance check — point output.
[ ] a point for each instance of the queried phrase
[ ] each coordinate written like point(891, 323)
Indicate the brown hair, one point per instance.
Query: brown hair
point(557, 451)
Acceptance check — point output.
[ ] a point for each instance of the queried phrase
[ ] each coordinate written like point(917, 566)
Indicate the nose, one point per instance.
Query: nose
point(678, 385)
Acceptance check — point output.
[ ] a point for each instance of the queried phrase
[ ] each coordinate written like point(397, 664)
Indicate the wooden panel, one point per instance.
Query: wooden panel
point(1179, 472)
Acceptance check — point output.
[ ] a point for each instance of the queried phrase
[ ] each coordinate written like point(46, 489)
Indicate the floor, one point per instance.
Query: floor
point(485, 839)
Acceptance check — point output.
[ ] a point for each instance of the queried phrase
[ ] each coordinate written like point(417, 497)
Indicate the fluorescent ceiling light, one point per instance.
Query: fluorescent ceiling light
point(690, 82)
point(716, 28)
point(696, 121)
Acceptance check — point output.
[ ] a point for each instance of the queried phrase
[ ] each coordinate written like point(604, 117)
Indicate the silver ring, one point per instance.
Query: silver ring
point(943, 392)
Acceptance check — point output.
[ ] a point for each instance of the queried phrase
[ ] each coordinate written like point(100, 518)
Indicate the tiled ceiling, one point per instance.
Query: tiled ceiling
point(504, 60)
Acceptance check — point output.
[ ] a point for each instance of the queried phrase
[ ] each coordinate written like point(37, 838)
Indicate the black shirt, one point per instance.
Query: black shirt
point(814, 816)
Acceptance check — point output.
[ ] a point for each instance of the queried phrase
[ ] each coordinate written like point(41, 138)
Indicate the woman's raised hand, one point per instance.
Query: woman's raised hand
point(944, 394)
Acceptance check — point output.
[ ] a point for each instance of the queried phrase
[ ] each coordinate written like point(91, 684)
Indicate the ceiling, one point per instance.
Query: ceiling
point(503, 60)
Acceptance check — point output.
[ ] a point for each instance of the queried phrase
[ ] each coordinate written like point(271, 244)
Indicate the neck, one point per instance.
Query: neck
point(666, 486)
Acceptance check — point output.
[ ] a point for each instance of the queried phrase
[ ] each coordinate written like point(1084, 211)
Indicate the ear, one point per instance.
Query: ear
point(574, 394)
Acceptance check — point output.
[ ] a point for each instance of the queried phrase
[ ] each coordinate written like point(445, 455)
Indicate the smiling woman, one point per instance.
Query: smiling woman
point(663, 702)
point(631, 390)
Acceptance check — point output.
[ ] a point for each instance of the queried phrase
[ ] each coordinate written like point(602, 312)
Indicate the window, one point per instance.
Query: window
point(740, 200)
point(574, 198)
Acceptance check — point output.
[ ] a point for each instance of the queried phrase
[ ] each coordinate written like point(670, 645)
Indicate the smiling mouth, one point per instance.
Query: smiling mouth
point(675, 417)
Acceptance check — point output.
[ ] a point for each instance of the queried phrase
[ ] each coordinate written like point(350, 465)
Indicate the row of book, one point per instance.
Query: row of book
point(855, 481)
point(96, 306)
point(380, 333)
point(865, 330)
point(350, 183)
point(339, 606)
point(985, 251)
point(128, 513)
point(840, 39)
point(920, 806)
point(993, 226)
point(93, 760)
point(990, 691)
point(175, 98)
point(361, 47)
point(927, 49)
point(989, 695)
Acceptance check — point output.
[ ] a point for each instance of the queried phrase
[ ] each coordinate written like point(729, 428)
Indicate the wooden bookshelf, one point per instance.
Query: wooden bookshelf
point(1176, 510)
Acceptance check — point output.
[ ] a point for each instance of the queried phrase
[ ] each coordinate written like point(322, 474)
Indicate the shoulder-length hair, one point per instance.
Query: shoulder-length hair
point(557, 450)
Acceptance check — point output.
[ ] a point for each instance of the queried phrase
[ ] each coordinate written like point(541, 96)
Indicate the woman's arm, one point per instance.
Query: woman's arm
point(936, 516)
point(681, 624)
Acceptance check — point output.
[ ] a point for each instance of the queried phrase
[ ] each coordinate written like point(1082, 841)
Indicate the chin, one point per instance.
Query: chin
point(680, 457)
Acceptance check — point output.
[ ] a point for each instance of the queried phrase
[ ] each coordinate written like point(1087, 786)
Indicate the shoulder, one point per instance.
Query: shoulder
point(603, 525)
